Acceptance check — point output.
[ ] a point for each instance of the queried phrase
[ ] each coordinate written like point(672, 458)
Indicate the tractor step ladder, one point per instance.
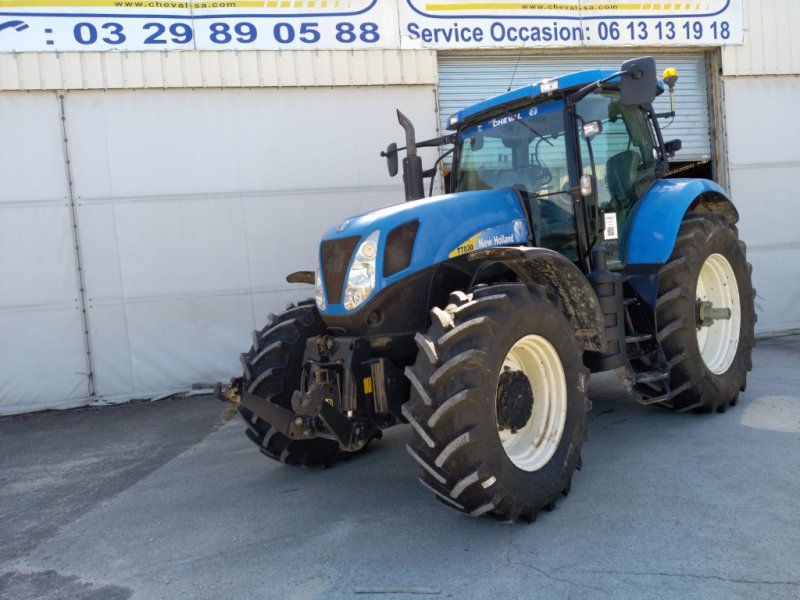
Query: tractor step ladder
point(651, 376)
point(650, 373)
point(637, 338)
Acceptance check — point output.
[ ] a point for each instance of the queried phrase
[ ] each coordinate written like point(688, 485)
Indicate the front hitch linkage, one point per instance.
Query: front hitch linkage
point(300, 422)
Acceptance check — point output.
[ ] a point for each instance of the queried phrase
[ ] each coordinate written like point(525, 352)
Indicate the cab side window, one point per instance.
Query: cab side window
point(622, 157)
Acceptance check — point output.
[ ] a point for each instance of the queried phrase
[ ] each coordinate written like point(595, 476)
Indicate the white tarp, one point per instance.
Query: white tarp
point(43, 361)
point(192, 206)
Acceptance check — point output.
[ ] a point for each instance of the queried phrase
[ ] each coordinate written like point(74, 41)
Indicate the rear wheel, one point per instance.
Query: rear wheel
point(498, 402)
point(705, 315)
point(272, 370)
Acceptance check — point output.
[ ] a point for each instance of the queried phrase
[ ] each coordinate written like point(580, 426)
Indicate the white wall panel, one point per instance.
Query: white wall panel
point(195, 204)
point(764, 162)
point(43, 360)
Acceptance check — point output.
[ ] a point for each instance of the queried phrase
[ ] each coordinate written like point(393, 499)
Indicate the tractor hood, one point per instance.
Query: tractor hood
point(416, 235)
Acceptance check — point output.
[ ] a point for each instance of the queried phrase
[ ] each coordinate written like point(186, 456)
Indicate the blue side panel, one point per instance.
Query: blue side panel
point(657, 219)
point(447, 225)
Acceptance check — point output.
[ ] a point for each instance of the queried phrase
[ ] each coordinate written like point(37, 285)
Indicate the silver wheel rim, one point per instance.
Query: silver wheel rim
point(719, 341)
point(531, 447)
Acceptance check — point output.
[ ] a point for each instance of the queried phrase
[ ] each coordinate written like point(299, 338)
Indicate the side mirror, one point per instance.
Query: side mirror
point(639, 81)
point(672, 147)
point(591, 129)
point(391, 158)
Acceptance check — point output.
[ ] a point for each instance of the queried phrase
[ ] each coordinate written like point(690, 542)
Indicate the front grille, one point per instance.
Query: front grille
point(335, 256)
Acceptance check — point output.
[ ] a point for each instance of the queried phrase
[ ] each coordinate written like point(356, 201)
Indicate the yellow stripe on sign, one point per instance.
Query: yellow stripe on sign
point(497, 6)
point(367, 385)
point(527, 6)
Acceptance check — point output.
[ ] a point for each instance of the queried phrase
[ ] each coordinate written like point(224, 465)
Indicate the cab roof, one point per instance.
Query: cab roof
point(530, 93)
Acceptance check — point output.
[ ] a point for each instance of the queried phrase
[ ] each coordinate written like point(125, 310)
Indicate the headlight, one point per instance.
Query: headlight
point(319, 292)
point(361, 277)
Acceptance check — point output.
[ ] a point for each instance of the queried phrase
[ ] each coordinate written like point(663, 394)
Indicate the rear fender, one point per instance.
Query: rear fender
point(551, 269)
point(655, 222)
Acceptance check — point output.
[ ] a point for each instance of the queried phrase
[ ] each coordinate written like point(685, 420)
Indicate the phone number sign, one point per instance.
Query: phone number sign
point(69, 25)
point(464, 24)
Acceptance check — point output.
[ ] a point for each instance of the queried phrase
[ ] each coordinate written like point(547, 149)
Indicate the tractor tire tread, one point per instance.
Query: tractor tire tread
point(694, 387)
point(447, 391)
point(272, 371)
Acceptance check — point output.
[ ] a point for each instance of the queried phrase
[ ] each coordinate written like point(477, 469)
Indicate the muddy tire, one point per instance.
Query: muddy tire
point(708, 363)
point(272, 370)
point(498, 402)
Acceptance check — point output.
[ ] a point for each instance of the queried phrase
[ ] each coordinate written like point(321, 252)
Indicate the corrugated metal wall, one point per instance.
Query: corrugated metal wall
point(771, 42)
point(189, 69)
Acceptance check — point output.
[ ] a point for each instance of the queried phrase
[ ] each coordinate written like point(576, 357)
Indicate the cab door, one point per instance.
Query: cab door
point(623, 157)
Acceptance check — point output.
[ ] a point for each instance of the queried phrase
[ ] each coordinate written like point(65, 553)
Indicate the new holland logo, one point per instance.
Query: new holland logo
point(508, 234)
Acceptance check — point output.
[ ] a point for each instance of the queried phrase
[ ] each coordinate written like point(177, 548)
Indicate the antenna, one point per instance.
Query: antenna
point(514, 74)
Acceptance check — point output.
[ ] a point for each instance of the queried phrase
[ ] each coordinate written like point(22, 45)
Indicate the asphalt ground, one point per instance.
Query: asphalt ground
point(169, 500)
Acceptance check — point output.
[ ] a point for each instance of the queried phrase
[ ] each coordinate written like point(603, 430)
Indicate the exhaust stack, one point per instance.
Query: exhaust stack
point(412, 164)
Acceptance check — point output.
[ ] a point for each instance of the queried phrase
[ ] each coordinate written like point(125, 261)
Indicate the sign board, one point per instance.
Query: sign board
point(464, 24)
point(70, 25)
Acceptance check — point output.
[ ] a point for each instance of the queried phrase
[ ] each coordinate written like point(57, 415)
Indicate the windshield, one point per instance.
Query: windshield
point(524, 149)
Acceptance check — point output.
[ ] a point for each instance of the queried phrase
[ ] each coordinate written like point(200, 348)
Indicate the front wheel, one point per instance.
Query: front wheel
point(498, 402)
point(272, 370)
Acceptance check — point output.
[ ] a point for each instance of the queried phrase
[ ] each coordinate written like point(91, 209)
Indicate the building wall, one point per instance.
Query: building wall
point(761, 87)
point(153, 201)
point(210, 69)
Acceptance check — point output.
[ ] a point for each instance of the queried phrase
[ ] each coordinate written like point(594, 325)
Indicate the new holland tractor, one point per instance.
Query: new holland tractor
point(477, 316)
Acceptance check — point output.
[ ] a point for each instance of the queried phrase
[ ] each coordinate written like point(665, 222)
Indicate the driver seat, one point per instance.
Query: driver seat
point(621, 174)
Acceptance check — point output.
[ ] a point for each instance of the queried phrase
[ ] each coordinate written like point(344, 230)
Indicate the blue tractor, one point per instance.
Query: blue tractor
point(477, 316)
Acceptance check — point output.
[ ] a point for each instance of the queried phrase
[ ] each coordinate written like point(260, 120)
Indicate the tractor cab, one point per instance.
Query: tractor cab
point(579, 149)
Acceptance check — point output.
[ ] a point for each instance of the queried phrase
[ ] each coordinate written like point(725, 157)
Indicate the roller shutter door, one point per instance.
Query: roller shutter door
point(466, 79)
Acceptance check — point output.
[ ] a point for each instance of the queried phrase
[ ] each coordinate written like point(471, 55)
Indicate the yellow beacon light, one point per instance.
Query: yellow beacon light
point(670, 77)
